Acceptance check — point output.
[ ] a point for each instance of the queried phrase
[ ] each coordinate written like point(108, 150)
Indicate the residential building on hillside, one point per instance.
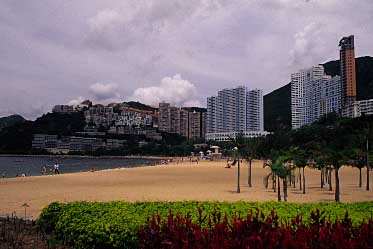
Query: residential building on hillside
point(112, 144)
point(188, 122)
point(234, 110)
point(322, 96)
point(358, 108)
point(100, 115)
point(63, 109)
point(228, 136)
point(298, 93)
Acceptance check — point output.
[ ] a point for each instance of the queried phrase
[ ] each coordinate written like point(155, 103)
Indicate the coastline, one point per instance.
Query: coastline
point(19, 166)
point(93, 157)
point(205, 181)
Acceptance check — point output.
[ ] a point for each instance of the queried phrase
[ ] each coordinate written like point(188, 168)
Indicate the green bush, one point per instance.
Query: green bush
point(115, 224)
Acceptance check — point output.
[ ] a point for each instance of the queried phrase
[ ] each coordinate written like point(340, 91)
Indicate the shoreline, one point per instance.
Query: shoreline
point(94, 157)
point(205, 181)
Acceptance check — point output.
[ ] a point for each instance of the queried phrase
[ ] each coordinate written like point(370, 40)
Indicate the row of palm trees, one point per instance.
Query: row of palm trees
point(285, 163)
point(327, 145)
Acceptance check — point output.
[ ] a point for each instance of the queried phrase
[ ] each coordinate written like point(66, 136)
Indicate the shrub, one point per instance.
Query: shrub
point(116, 224)
point(254, 231)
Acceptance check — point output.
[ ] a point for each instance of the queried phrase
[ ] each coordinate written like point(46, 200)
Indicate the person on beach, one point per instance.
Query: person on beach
point(56, 169)
point(44, 170)
point(3, 175)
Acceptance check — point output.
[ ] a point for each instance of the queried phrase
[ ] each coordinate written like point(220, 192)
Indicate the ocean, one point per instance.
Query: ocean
point(11, 166)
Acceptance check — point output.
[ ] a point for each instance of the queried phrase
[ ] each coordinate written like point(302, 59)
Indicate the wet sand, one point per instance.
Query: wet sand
point(186, 181)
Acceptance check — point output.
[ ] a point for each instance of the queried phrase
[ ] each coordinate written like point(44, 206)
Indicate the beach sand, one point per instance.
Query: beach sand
point(186, 181)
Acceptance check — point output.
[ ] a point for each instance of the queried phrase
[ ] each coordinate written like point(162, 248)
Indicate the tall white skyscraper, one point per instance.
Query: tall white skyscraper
point(314, 94)
point(235, 110)
point(298, 97)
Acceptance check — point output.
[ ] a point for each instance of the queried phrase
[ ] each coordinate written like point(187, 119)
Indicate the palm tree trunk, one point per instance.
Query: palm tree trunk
point(300, 180)
point(274, 182)
point(249, 179)
point(278, 189)
point(238, 176)
point(330, 180)
point(285, 190)
point(360, 179)
point(337, 197)
point(294, 178)
point(321, 178)
point(304, 182)
point(368, 168)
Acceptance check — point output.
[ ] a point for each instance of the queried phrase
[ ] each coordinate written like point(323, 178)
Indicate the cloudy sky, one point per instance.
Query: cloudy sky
point(65, 51)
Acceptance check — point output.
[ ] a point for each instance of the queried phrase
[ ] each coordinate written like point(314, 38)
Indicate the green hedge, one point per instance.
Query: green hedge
point(115, 224)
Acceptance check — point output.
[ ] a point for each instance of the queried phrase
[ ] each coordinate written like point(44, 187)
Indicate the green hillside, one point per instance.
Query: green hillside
point(277, 113)
point(277, 104)
point(140, 106)
point(10, 121)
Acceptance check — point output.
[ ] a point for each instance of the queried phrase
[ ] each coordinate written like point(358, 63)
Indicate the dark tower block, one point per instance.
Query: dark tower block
point(348, 70)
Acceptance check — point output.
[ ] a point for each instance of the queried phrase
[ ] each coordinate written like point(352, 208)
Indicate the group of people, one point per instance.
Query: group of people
point(56, 169)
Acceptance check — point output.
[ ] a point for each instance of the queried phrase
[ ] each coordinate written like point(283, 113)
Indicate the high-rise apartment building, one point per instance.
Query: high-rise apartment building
point(348, 70)
point(189, 122)
point(322, 96)
point(235, 110)
point(164, 120)
point(298, 94)
point(314, 94)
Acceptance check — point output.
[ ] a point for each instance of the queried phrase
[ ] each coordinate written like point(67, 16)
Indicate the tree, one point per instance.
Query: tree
point(300, 157)
point(281, 167)
point(359, 162)
point(237, 155)
point(250, 151)
point(320, 164)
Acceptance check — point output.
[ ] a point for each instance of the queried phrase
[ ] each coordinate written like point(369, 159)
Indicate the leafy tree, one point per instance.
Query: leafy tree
point(250, 151)
point(280, 166)
point(300, 157)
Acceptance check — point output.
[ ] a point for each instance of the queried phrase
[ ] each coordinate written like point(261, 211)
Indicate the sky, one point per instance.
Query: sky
point(66, 51)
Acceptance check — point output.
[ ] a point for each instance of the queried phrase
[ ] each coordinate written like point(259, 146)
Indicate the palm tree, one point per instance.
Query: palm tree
point(368, 167)
point(320, 164)
point(239, 144)
point(300, 157)
point(237, 155)
point(337, 158)
point(250, 149)
point(281, 167)
point(359, 163)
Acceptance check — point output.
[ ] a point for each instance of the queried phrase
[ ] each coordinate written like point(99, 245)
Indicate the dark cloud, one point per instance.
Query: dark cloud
point(54, 51)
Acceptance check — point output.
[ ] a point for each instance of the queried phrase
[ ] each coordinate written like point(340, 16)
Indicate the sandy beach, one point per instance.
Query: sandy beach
point(186, 181)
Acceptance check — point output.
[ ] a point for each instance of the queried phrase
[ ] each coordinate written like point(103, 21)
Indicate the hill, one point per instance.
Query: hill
point(10, 121)
point(277, 104)
point(140, 106)
point(16, 139)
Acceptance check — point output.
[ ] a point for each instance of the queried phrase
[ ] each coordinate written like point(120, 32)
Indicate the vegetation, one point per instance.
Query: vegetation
point(116, 224)
point(140, 106)
point(18, 233)
point(254, 231)
point(277, 109)
point(327, 145)
point(10, 121)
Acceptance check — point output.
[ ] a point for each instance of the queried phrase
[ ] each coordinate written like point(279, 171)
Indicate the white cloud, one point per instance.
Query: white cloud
point(308, 45)
point(76, 101)
point(217, 43)
point(102, 91)
point(175, 90)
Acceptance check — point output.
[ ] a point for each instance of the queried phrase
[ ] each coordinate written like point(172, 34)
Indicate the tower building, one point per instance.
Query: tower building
point(234, 111)
point(348, 70)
